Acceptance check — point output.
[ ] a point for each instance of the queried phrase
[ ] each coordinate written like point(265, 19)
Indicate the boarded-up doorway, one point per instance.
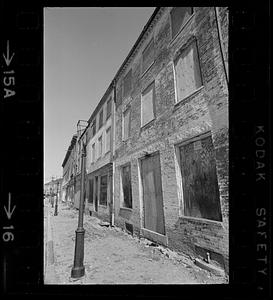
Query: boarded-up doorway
point(152, 194)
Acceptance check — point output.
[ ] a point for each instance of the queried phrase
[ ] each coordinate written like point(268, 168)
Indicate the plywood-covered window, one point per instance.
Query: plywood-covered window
point(199, 179)
point(100, 146)
point(179, 16)
point(126, 186)
point(147, 105)
point(148, 56)
point(187, 72)
point(108, 140)
point(108, 108)
point(127, 84)
point(126, 124)
point(103, 190)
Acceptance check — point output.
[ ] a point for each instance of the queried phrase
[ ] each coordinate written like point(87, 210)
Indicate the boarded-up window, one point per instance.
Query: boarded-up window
point(126, 124)
point(100, 146)
point(91, 191)
point(109, 106)
point(148, 56)
point(93, 153)
point(147, 105)
point(126, 186)
point(179, 16)
point(108, 139)
point(187, 72)
point(101, 119)
point(94, 126)
point(103, 190)
point(127, 83)
point(200, 186)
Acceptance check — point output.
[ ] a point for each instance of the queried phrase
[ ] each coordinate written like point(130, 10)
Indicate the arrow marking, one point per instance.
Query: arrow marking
point(7, 58)
point(8, 211)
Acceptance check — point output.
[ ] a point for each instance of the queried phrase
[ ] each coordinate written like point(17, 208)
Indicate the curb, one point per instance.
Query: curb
point(50, 273)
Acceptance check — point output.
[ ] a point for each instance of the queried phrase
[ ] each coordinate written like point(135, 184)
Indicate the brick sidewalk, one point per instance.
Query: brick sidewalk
point(112, 256)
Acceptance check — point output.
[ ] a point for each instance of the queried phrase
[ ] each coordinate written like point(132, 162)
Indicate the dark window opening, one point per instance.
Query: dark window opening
point(103, 190)
point(126, 186)
point(179, 16)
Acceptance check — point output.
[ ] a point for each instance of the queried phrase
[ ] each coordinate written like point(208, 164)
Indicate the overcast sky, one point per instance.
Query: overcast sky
point(83, 50)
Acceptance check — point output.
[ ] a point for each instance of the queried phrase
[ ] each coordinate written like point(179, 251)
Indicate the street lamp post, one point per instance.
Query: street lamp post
point(78, 269)
point(56, 202)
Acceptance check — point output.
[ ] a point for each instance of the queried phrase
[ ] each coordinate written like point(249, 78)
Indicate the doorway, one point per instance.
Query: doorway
point(152, 193)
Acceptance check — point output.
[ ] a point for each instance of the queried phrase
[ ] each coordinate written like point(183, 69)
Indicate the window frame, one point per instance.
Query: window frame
point(123, 84)
point(108, 112)
point(100, 118)
point(127, 110)
point(181, 210)
point(101, 204)
point(143, 71)
point(108, 130)
point(122, 202)
point(93, 156)
point(188, 44)
point(141, 105)
point(100, 146)
point(93, 126)
point(182, 26)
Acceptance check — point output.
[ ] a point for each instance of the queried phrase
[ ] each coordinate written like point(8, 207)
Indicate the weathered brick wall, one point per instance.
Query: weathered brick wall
point(205, 110)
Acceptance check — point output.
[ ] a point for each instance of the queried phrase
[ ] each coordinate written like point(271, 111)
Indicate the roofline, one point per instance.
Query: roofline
point(113, 82)
point(68, 151)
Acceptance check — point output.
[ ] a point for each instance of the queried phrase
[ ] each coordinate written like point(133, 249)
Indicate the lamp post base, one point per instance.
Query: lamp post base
point(77, 272)
point(78, 269)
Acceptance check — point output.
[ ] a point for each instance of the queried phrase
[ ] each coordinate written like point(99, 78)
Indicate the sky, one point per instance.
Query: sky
point(83, 50)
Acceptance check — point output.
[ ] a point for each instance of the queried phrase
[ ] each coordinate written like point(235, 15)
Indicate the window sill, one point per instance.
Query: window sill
point(177, 103)
point(181, 29)
point(126, 209)
point(201, 220)
point(146, 71)
point(143, 127)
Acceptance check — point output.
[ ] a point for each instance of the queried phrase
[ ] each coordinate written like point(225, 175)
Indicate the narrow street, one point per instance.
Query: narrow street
point(111, 256)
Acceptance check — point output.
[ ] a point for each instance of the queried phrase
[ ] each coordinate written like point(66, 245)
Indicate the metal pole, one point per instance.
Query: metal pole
point(78, 269)
point(56, 202)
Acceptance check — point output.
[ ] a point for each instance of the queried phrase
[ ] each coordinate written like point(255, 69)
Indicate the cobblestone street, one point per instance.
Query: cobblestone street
point(111, 256)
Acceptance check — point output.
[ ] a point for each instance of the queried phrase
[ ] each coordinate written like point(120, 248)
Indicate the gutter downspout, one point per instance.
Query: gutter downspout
point(221, 43)
point(112, 156)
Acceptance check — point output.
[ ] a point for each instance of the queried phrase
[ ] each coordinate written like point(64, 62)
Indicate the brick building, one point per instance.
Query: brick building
point(171, 145)
point(69, 167)
point(157, 142)
point(99, 151)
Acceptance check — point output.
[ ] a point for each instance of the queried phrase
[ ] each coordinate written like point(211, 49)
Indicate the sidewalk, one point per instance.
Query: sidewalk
point(112, 256)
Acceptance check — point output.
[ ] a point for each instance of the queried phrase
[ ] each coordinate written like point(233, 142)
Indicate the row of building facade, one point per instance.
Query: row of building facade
point(157, 142)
